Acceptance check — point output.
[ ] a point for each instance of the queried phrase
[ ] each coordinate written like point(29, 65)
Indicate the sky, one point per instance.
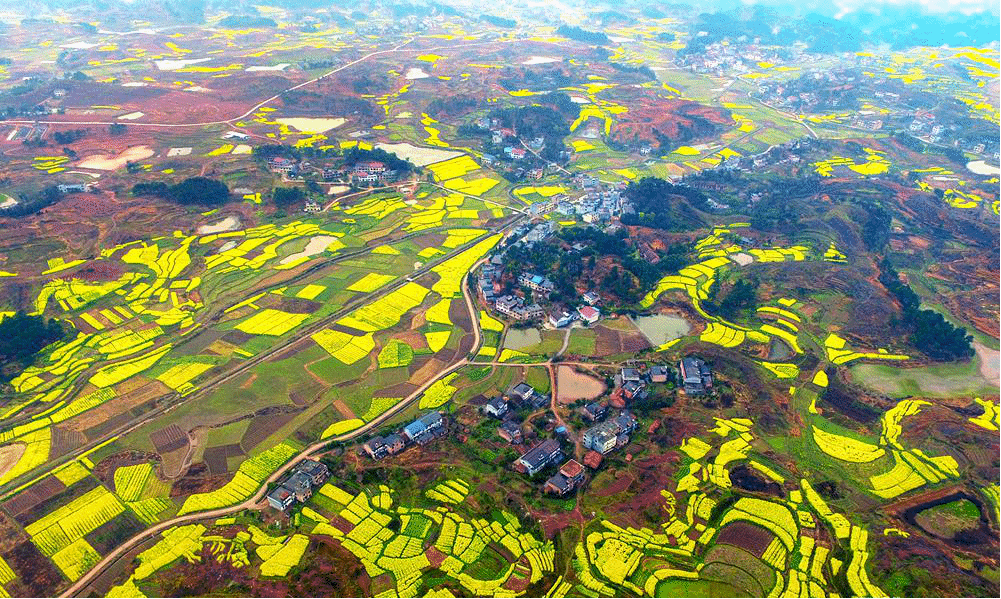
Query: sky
point(965, 6)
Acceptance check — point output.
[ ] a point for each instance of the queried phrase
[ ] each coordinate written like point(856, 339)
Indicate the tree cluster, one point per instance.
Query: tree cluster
point(930, 332)
point(30, 203)
point(288, 196)
point(194, 190)
point(393, 162)
point(741, 297)
point(652, 198)
point(583, 35)
point(69, 136)
point(23, 336)
point(246, 21)
point(444, 106)
point(498, 21)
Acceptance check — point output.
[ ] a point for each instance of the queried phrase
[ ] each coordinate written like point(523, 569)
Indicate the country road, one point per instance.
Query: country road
point(310, 451)
point(317, 448)
point(173, 400)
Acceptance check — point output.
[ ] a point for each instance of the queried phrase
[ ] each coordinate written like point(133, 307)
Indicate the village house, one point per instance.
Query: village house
point(659, 374)
point(379, 447)
point(571, 474)
point(594, 411)
point(284, 166)
point(496, 407)
point(73, 187)
point(539, 457)
point(301, 485)
point(510, 431)
point(298, 486)
point(593, 459)
point(515, 307)
point(281, 498)
point(634, 390)
point(560, 319)
point(526, 394)
point(630, 374)
point(589, 314)
point(370, 166)
point(424, 429)
point(608, 435)
point(536, 282)
point(694, 376)
point(316, 471)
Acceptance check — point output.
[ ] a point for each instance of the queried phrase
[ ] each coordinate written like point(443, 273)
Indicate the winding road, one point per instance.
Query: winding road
point(311, 451)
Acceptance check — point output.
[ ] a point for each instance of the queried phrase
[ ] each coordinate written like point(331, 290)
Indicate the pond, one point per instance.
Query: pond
point(980, 167)
point(661, 328)
point(522, 338)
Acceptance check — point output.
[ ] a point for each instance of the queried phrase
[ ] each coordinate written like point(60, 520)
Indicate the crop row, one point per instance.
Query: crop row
point(245, 482)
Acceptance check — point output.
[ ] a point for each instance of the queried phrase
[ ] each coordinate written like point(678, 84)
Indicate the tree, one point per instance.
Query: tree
point(930, 332)
point(23, 336)
point(288, 196)
point(199, 190)
point(195, 190)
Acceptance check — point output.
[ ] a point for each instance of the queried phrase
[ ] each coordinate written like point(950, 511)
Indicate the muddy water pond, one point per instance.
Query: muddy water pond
point(522, 338)
point(661, 328)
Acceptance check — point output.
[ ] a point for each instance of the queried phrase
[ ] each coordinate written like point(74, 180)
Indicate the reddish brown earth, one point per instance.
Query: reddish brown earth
point(672, 118)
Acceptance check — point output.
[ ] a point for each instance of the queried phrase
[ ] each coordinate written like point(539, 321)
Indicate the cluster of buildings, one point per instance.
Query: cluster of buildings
point(569, 476)
point(694, 377)
point(419, 432)
point(517, 308)
point(521, 395)
point(298, 485)
point(489, 286)
point(631, 383)
point(598, 204)
point(586, 314)
point(543, 454)
point(719, 58)
point(364, 172)
point(499, 135)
